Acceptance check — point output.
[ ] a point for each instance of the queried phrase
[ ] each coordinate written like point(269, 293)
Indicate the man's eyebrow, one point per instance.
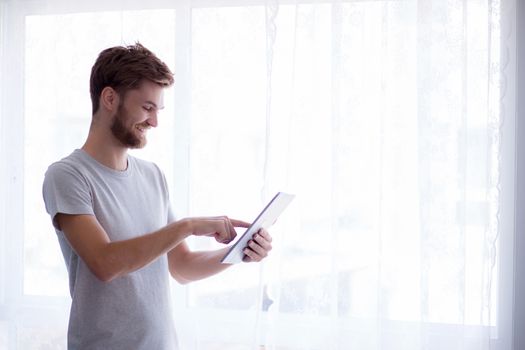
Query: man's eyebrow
point(154, 104)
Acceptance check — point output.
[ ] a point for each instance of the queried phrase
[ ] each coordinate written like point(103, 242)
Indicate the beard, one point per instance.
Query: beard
point(125, 134)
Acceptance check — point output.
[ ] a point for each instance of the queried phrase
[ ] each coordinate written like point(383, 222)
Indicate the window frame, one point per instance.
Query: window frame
point(518, 337)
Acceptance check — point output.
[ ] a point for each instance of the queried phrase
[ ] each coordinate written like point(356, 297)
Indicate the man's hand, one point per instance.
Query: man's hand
point(186, 265)
point(220, 227)
point(258, 247)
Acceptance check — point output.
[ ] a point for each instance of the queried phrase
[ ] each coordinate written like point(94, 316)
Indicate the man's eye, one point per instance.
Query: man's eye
point(148, 108)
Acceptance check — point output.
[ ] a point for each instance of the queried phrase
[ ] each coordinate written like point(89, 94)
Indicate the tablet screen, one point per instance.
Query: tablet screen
point(265, 219)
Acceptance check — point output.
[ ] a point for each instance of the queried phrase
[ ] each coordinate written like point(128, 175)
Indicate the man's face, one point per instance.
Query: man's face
point(137, 112)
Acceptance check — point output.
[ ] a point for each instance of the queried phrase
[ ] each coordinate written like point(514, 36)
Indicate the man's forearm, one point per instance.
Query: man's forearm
point(197, 265)
point(123, 257)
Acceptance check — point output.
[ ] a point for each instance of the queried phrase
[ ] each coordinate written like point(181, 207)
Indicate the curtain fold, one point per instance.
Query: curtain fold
point(390, 125)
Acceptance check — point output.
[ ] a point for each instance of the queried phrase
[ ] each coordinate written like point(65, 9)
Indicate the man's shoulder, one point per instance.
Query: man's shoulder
point(70, 163)
point(146, 166)
point(64, 177)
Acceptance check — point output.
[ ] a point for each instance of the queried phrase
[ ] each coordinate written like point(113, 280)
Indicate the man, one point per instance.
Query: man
point(112, 215)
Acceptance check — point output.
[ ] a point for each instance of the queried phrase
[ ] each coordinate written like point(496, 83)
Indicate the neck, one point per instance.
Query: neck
point(105, 148)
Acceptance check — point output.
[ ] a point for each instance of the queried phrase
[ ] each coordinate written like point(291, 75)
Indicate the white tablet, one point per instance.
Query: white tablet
point(265, 219)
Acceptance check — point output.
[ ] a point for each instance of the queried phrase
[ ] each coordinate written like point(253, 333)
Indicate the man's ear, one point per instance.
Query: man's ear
point(109, 99)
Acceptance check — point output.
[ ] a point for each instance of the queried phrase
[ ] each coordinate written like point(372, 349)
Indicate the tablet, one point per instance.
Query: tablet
point(265, 219)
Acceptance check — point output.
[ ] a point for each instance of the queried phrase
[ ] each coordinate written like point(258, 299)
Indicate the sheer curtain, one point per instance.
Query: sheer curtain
point(391, 121)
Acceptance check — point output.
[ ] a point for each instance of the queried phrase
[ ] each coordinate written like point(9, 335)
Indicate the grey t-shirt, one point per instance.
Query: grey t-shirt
point(131, 311)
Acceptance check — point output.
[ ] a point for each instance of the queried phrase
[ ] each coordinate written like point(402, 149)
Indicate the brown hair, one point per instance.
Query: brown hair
point(124, 68)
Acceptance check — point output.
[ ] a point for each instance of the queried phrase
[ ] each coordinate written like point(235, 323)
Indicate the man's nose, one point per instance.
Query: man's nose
point(152, 120)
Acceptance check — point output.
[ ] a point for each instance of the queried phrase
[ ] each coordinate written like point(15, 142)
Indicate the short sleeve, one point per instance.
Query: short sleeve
point(66, 191)
point(170, 215)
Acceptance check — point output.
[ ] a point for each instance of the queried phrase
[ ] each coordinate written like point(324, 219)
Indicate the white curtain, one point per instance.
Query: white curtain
point(386, 119)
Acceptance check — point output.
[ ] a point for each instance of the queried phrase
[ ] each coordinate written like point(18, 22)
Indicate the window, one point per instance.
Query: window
point(58, 113)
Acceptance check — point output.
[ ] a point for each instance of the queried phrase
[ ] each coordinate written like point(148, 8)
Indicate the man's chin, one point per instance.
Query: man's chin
point(138, 145)
point(132, 144)
point(132, 141)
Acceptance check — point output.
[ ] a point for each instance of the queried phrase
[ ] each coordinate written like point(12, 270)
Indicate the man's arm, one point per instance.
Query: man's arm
point(108, 260)
point(187, 266)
